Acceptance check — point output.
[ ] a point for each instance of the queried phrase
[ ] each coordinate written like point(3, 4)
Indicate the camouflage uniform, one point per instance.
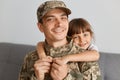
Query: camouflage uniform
point(77, 70)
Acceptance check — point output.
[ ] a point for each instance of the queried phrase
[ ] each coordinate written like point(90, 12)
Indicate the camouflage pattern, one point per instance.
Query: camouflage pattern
point(48, 5)
point(77, 70)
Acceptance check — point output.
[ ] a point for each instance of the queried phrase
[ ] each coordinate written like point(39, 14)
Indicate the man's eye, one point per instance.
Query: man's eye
point(64, 18)
point(50, 19)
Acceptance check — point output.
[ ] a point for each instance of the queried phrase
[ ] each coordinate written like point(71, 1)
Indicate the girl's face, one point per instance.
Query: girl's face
point(82, 39)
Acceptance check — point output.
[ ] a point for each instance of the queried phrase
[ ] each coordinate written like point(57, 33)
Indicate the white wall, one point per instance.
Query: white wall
point(18, 21)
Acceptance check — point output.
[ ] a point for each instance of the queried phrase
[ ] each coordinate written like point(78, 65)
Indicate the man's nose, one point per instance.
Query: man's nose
point(58, 23)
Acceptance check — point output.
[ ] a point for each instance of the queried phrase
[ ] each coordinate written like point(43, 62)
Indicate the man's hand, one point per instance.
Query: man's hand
point(59, 70)
point(42, 66)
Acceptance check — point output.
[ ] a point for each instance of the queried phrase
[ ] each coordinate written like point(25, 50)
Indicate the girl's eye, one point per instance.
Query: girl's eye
point(75, 37)
point(86, 34)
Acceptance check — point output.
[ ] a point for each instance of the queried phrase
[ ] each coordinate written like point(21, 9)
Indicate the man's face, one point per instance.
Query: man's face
point(55, 25)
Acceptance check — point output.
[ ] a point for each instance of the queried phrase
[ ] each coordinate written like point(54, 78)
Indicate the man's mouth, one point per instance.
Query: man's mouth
point(58, 30)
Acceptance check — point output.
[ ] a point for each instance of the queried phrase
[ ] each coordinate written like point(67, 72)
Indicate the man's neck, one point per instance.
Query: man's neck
point(57, 43)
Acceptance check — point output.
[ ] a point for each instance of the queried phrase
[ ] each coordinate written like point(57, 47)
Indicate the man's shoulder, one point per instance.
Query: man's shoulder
point(78, 48)
point(32, 55)
point(74, 48)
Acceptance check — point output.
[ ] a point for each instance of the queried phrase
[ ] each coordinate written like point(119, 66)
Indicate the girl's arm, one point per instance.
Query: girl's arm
point(88, 55)
point(40, 50)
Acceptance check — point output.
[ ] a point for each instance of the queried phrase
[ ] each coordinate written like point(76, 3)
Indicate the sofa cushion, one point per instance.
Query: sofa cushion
point(112, 67)
point(12, 55)
point(102, 64)
point(11, 58)
point(4, 52)
point(9, 71)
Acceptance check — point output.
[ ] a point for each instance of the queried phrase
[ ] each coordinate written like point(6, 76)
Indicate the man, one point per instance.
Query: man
point(53, 22)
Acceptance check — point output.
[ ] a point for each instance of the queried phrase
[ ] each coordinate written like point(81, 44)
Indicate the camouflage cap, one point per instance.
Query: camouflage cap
point(49, 5)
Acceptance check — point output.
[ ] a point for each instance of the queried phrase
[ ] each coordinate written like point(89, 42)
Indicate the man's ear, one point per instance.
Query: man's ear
point(40, 27)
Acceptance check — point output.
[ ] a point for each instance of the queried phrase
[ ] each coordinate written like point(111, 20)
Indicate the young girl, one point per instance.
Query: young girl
point(82, 35)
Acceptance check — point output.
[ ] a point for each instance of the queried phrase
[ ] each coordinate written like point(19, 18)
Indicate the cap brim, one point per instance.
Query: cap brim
point(68, 11)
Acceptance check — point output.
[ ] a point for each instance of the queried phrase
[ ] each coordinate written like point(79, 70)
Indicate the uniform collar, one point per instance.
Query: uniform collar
point(66, 47)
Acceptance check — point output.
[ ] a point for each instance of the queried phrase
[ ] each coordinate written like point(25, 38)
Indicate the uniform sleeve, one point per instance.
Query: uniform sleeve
point(91, 71)
point(25, 73)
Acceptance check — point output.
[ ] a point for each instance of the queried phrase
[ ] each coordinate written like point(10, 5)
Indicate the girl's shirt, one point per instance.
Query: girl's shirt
point(92, 47)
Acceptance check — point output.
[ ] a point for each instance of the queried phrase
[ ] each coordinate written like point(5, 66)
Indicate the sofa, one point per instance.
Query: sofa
point(12, 55)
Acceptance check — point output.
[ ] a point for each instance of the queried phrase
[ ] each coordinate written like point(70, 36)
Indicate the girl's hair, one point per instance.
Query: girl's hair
point(78, 25)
